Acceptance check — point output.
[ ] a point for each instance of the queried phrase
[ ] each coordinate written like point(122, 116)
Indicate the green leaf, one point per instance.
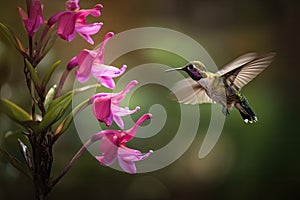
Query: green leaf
point(49, 96)
point(58, 107)
point(12, 38)
point(14, 112)
point(64, 125)
point(33, 73)
point(56, 110)
point(15, 162)
point(49, 73)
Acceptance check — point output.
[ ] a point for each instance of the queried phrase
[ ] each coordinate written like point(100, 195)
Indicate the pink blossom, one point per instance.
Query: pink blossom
point(74, 20)
point(113, 146)
point(35, 19)
point(106, 106)
point(91, 62)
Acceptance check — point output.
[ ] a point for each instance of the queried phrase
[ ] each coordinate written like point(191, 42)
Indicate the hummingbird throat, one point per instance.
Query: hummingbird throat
point(194, 74)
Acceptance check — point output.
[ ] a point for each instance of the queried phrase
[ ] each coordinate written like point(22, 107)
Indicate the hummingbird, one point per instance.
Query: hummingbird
point(224, 86)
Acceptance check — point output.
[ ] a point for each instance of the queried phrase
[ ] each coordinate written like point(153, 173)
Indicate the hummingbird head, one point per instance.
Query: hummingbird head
point(195, 70)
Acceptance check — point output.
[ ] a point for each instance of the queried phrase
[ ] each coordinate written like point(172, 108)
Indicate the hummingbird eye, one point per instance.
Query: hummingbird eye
point(190, 66)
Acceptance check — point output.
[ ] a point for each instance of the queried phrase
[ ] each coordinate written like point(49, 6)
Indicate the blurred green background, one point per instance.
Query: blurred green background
point(258, 161)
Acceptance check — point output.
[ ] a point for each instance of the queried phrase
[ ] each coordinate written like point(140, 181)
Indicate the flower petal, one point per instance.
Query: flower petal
point(105, 73)
point(127, 165)
point(123, 111)
point(119, 121)
point(131, 132)
point(98, 95)
point(106, 70)
point(85, 30)
point(83, 13)
point(102, 110)
point(34, 19)
point(106, 82)
point(96, 11)
point(106, 161)
point(66, 26)
point(54, 18)
point(119, 96)
point(133, 154)
point(36, 14)
point(127, 157)
point(108, 150)
point(22, 13)
point(100, 55)
point(85, 63)
point(108, 142)
point(72, 5)
point(120, 112)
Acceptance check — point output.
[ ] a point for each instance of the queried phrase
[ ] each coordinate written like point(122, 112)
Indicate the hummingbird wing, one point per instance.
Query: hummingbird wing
point(236, 63)
point(246, 69)
point(187, 91)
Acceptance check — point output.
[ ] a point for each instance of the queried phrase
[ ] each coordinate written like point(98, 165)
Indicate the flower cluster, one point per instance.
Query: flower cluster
point(105, 106)
point(50, 117)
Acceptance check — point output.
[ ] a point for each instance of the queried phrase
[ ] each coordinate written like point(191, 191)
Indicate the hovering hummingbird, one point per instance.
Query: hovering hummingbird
point(224, 86)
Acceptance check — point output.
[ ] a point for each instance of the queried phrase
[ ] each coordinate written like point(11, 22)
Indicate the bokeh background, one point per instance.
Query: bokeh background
point(258, 161)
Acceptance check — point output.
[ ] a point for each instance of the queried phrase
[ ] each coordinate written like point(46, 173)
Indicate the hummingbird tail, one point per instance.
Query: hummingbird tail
point(245, 110)
point(248, 115)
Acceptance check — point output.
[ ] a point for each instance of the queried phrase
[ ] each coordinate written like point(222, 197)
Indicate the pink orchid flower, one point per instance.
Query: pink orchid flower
point(73, 20)
point(106, 106)
point(35, 19)
point(92, 62)
point(113, 146)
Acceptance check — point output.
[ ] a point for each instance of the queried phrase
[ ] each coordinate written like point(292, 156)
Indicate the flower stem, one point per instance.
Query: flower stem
point(61, 82)
point(74, 159)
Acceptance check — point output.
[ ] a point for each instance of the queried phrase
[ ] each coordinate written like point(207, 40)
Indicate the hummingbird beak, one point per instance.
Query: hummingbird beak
point(174, 69)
